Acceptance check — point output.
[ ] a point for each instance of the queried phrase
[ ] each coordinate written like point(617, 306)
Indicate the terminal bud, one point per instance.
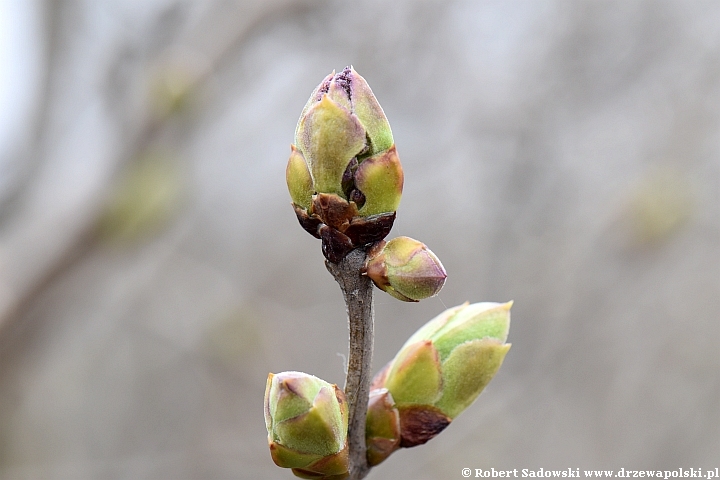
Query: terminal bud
point(344, 171)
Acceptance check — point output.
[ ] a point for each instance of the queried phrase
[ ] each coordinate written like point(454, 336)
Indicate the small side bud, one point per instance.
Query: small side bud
point(307, 421)
point(382, 427)
point(405, 269)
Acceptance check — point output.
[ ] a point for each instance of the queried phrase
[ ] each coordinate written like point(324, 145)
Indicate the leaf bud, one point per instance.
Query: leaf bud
point(444, 366)
point(307, 422)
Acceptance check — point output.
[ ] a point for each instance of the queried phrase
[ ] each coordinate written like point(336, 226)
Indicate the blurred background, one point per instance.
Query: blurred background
point(563, 154)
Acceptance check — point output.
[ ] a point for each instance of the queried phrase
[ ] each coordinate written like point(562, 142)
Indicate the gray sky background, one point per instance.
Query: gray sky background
point(565, 155)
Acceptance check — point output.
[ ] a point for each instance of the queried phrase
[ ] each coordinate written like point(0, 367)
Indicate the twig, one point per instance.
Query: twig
point(357, 290)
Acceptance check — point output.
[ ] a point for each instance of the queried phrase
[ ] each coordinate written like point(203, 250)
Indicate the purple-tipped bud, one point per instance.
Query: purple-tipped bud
point(344, 149)
point(406, 269)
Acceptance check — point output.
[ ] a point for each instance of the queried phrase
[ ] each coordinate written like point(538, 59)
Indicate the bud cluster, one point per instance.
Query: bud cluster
point(345, 180)
point(438, 373)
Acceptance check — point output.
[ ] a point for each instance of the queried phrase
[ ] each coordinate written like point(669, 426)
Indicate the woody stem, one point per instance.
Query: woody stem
point(357, 290)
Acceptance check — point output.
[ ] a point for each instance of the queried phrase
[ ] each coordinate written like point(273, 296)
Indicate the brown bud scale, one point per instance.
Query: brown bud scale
point(335, 244)
point(419, 424)
point(366, 230)
point(334, 210)
point(310, 223)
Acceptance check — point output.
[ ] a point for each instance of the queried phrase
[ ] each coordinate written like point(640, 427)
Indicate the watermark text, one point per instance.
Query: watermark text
point(708, 474)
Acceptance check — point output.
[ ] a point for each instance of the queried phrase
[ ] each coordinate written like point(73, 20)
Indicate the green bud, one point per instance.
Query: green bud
point(380, 179)
point(382, 427)
point(370, 113)
point(444, 366)
point(415, 375)
point(299, 180)
point(344, 149)
point(406, 269)
point(329, 136)
point(307, 421)
point(314, 97)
